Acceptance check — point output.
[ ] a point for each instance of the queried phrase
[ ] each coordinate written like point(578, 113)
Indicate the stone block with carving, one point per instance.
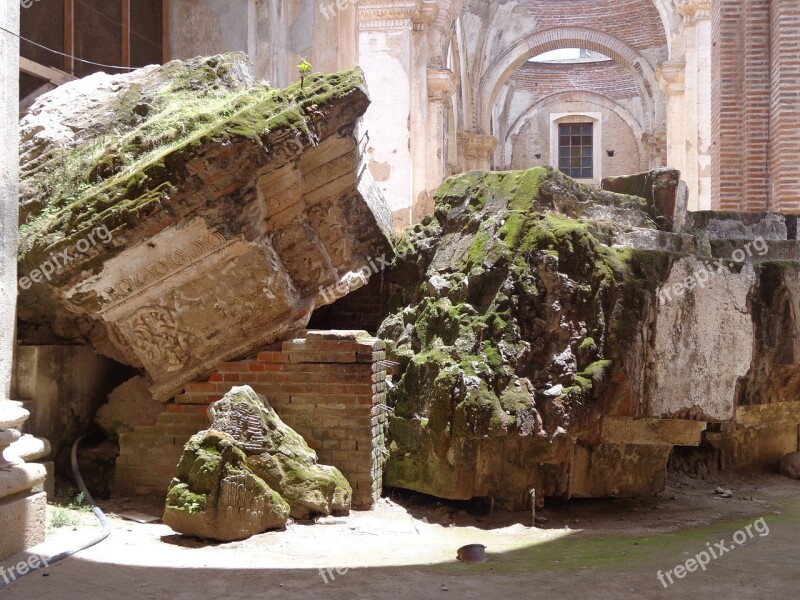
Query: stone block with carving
point(186, 214)
point(280, 456)
point(216, 496)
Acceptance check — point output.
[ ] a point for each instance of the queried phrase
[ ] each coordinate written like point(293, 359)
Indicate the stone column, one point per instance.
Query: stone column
point(477, 150)
point(686, 82)
point(393, 54)
point(22, 511)
point(441, 87)
point(671, 79)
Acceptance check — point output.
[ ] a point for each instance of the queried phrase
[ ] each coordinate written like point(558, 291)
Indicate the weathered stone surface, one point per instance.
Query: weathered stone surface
point(215, 219)
point(128, 406)
point(790, 465)
point(279, 455)
point(216, 496)
point(529, 308)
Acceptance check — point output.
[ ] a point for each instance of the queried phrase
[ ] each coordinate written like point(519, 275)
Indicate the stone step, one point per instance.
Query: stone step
point(755, 251)
point(653, 239)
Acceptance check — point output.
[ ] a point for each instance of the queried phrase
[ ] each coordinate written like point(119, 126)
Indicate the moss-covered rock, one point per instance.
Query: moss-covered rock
point(215, 495)
point(513, 310)
point(279, 456)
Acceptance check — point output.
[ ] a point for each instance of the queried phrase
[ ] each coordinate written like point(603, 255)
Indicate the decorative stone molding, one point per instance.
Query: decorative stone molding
point(441, 85)
point(670, 76)
point(692, 10)
point(477, 149)
point(396, 14)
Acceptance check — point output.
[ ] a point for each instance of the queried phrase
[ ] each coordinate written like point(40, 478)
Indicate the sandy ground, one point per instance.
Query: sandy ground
point(587, 549)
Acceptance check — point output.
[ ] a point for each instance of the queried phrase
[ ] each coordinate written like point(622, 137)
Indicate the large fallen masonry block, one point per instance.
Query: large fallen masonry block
point(550, 336)
point(183, 215)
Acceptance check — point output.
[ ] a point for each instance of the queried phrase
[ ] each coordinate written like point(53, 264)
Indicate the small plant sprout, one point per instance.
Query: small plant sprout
point(304, 68)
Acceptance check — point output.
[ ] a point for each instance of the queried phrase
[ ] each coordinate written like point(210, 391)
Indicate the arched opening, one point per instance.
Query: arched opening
point(573, 71)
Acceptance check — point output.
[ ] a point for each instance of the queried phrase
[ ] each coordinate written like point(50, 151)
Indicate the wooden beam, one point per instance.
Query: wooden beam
point(69, 35)
point(166, 55)
point(126, 33)
point(50, 74)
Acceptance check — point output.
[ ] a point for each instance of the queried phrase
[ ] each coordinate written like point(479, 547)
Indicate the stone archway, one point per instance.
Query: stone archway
point(501, 68)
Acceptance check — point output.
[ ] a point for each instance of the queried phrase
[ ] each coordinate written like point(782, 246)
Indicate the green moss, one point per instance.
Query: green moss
point(597, 370)
point(118, 180)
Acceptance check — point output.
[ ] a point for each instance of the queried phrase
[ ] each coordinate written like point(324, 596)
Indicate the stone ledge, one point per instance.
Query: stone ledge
point(768, 415)
point(671, 432)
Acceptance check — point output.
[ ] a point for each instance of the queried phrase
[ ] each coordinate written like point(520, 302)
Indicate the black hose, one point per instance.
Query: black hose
point(46, 562)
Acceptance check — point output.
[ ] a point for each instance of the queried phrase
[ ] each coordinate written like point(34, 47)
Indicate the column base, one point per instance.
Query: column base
point(22, 521)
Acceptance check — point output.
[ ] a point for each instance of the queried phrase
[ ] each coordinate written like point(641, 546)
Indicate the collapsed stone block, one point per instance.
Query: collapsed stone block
point(216, 496)
point(552, 336)
point(213, 221)
point(248, 473)
point(279, 455)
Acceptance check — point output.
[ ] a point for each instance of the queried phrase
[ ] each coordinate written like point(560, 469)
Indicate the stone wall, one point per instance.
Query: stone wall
point(328, 386)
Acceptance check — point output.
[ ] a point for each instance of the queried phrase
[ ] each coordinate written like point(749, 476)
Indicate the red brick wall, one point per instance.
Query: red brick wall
point(363, 309)
point(756, 105)
point(635, 22)
point(328, 388)
point(785, 105)
point(607, 78)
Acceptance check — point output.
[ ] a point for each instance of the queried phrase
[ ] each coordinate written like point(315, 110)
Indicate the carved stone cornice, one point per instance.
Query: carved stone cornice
point(691, 10)
point(396, 14)
point(387, 14)
point(441, 85)
point(671, 77)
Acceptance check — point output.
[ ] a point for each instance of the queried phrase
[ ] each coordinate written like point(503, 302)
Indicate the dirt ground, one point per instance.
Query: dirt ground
point(406, 549)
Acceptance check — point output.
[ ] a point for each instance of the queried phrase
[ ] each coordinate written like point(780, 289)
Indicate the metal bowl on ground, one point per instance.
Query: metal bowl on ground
point(472, 553)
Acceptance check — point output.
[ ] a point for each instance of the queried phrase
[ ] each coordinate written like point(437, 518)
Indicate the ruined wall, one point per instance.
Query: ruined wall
point(276, 34)
point(328, 386)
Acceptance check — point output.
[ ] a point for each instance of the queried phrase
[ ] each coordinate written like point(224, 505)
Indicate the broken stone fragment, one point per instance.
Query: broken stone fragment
point(216, 496)
point(280, 456)
point(790, 465)
point(129, 405)
point(187, 214)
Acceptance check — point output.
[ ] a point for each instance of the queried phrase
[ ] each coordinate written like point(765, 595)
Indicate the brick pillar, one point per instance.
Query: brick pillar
point(328, 386)
point(740, 104)
point(785, 105)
